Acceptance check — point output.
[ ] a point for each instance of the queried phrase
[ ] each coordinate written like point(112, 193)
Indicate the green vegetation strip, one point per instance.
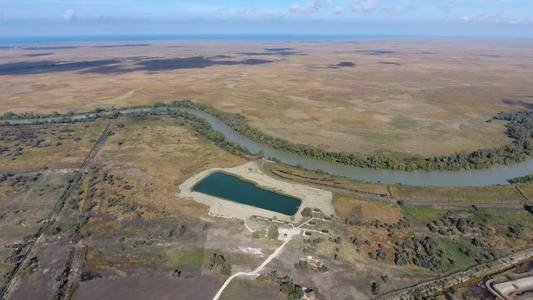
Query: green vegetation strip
point(523, 179)
point(519, 129)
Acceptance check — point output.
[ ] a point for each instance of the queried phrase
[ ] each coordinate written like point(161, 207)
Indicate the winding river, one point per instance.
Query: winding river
point(484, 177)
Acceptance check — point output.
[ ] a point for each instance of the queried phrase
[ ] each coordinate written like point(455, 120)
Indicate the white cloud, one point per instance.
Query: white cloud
point(495, 19)
point(295, 7)
point(338, 10)
point(69, 15)
point(365, 6)
point(309, 7)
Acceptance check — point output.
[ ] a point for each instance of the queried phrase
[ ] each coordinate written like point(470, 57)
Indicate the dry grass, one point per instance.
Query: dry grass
point(63, 146)
point(464, 196)
point(527, 189)
point(23, 206)
point(504, 194)
point(349, 206)
point(251, 289)
point(155, 155)
point(322, 179)
point(441, 91)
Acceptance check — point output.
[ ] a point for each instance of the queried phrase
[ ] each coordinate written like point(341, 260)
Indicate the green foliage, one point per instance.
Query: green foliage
point(519, 129)
point(203, 128)
point(219, 261)
point(307, 212)
point(423, 252)
point(523, 179)
point(421, 214)
point(273, 232)
point(293, 291)
point(286, 285)
point(301, 265)
point(375, 288)
point(379, 254)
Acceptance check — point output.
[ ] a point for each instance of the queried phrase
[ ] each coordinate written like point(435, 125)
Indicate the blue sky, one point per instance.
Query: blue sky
point(442, 17)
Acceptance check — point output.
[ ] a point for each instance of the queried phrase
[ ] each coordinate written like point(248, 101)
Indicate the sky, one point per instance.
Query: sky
point(348, 17)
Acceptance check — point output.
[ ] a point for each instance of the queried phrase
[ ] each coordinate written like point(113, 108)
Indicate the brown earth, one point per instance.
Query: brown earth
point(400, 97)
point(142, 287)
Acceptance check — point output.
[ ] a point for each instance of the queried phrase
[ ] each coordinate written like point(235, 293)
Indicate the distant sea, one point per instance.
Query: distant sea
point(37, 40)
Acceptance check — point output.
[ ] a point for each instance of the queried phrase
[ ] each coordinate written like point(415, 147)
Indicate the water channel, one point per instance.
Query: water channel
point(483, 177)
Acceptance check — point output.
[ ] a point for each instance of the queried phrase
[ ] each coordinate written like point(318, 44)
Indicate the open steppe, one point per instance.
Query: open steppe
point(124, 224)
point(396, 97)
point(92, 209)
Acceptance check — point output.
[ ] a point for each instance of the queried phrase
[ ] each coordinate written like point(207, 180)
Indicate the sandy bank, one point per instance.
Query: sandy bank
point(310, 196)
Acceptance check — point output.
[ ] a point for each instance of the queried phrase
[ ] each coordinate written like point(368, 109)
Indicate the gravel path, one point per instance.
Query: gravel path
point(290, 234)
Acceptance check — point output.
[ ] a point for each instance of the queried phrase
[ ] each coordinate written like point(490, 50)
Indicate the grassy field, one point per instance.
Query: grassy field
point(136, 231)
point(127, 214)
point(140, 228)
point(251, 289)
point(25, 201)
point(368, 224)
point(155, 155)
point(462, 260)
point(503, 194)
point(346, 206)
point(527, 189)
point(40, 147)
point(464, 196)
point(143, 241)
point(421, 214)
point(323, 179)
point(436, 90)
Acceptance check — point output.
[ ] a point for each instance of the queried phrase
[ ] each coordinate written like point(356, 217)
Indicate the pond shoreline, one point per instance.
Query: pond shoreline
point(251, 171)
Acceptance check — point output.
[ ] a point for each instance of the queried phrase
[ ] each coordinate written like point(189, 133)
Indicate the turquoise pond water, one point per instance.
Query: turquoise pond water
point(232, 188)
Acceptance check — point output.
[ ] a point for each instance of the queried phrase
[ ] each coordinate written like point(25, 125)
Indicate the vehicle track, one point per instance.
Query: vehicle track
point(293, 232)
point(13, 278)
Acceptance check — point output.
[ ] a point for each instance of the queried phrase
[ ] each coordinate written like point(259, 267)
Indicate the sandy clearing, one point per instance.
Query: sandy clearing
point(251, 250)
point(286, 235)
point(310, 196)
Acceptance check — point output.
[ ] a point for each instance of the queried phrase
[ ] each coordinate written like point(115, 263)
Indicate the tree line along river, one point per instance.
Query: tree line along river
point(497, 174)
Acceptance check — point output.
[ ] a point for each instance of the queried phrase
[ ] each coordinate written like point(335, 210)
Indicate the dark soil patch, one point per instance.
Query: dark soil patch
point(51, 48)
point(478, 292)
point(518, 103)
point(192, 63)
point(343, 64)
point(110, 66)
point(122, 46)
point(278, 49)
point(50, 66)
point(156, 65)
point(274, 51)
point(144, 287)
point(375, 52)
point(40, 284)
point(390, 63)
point(39, 54)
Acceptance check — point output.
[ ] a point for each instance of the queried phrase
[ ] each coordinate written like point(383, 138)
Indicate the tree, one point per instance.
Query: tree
point(375, 288)
point(273, 232)
point(307, 212)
